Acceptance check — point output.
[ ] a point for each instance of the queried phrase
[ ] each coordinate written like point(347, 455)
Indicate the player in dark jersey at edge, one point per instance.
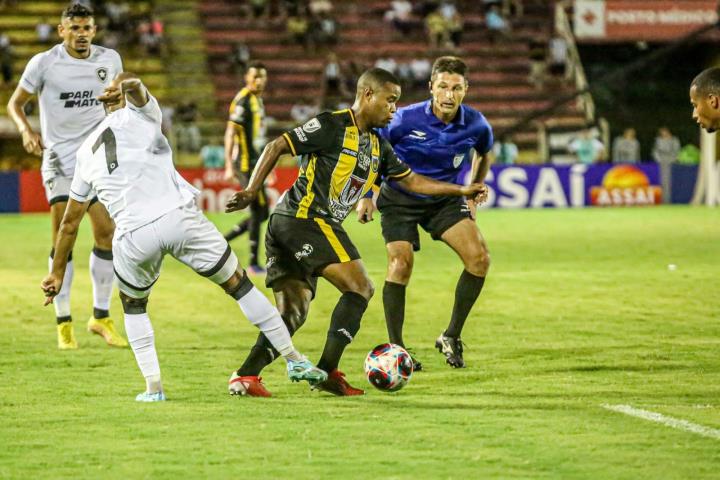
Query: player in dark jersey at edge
point(705, 99)
point(242, 134)
point(342, 157)
point(434, 138)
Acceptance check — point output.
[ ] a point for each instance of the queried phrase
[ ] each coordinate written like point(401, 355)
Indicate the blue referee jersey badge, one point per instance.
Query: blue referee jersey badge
point(457, 160)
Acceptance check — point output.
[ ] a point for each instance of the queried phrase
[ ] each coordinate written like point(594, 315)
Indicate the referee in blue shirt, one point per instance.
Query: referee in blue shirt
point(435, 138)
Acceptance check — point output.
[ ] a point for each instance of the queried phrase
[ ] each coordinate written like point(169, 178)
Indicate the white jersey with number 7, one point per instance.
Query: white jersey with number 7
point(128, 161)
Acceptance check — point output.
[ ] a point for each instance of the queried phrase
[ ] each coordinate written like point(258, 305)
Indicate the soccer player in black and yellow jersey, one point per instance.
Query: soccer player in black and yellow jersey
point(244, 136)
point(342, 157)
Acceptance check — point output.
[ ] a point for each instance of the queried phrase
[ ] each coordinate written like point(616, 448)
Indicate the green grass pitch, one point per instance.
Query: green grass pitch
point(580, 310)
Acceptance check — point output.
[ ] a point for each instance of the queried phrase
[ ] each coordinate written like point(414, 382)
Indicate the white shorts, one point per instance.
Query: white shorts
point(57, 189)
point(185, 234)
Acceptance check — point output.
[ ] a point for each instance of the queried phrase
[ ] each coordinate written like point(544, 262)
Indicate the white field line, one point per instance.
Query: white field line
point(665, 420)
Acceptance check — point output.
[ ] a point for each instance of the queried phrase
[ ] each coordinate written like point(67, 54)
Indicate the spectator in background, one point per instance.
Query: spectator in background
point(505, 151)
point(626, 148)
point(326, 31)
point(420, 70)
point(188, 132)
point(437, 29)
point(239, 57)
point(453, 22)
point(320, 7)
point(497, 24)
point(538, 65)
point(558, 60)
point(43, 31)
point(386, 62)
point(6, 60)
point(587, 148)
point(118, 14)
point(303, 111)
point(400, 16)
point(333, 87)
point(297, 29)
point(665, 152)
point(258, 8)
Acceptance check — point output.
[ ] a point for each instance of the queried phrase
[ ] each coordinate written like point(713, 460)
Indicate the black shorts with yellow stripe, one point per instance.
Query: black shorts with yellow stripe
point(300, 248)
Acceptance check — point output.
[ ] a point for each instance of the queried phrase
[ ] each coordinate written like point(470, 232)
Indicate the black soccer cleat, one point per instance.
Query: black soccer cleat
point(417, 365)
point(452, 348)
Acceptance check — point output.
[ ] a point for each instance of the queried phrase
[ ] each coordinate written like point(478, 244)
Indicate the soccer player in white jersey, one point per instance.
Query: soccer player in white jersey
point(67, 79)
point(128, 162)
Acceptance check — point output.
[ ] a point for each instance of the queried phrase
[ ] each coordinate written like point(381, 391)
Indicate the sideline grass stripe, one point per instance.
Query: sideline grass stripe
point(665, 420)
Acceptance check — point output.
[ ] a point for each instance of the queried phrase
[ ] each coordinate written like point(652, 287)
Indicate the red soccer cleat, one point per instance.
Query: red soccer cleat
point(337, 385)
point(249, 385)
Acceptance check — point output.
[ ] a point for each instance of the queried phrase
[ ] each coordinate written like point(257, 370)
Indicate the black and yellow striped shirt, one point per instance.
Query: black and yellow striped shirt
point(338, 166)
point(247, 114)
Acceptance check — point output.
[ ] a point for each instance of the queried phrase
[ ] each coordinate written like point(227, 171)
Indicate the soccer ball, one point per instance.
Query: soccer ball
point(388, 367)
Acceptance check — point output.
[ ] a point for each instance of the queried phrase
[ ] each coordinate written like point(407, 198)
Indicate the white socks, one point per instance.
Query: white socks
point(102, 275)
point(62, 299)
point(142, 340)
point(261, 313)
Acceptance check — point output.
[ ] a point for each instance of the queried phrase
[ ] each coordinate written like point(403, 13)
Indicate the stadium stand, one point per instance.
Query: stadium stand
point(500, 85)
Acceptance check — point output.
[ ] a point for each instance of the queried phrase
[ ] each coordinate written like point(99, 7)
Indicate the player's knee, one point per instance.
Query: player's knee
point(401, 267)
point(364, 287)
point(479, 263)
point(133, 306)
point(238, 285)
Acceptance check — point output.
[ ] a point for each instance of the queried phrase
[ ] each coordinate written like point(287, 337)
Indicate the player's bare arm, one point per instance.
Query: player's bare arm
point(67, 233)
point(127, 85)
point(266, 163)
point(480, 166)
point(416, 183)
point(229, 142)
point(32, 141)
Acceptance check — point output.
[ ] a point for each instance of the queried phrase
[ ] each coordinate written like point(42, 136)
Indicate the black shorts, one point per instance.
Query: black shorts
point(401, 214)
point(300, 248)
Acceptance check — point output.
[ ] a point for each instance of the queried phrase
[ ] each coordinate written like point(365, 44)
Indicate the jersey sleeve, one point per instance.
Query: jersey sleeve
point(32, 78)
point(316, 134)
point(485, 140)
point(390, 165)
point(150, 111)
point(239, 111)
point(79, 188)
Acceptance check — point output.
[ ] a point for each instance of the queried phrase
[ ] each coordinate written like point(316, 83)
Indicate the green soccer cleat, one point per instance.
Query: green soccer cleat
point(305, 370)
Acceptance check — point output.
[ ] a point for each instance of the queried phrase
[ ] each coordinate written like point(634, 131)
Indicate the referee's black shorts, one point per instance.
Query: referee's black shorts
point(300, 248)
point(402, 213)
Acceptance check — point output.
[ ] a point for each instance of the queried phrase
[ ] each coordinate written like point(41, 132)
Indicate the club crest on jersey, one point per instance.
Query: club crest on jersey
point(457, 160)
point(102, 74)
point(306, 251)
point(312, 125)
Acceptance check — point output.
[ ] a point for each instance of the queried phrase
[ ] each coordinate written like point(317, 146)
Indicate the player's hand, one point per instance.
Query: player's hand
point(51, 286)
point(365, 209)
point(472, 207)
point(130, 84)
point(478, 192)
point(32, 141)
point(240, 200)
point(111, 96)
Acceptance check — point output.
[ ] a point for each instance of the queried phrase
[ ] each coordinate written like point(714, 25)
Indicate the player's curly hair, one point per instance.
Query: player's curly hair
point(77, 10)
point(448, 64)
point(708, 81)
